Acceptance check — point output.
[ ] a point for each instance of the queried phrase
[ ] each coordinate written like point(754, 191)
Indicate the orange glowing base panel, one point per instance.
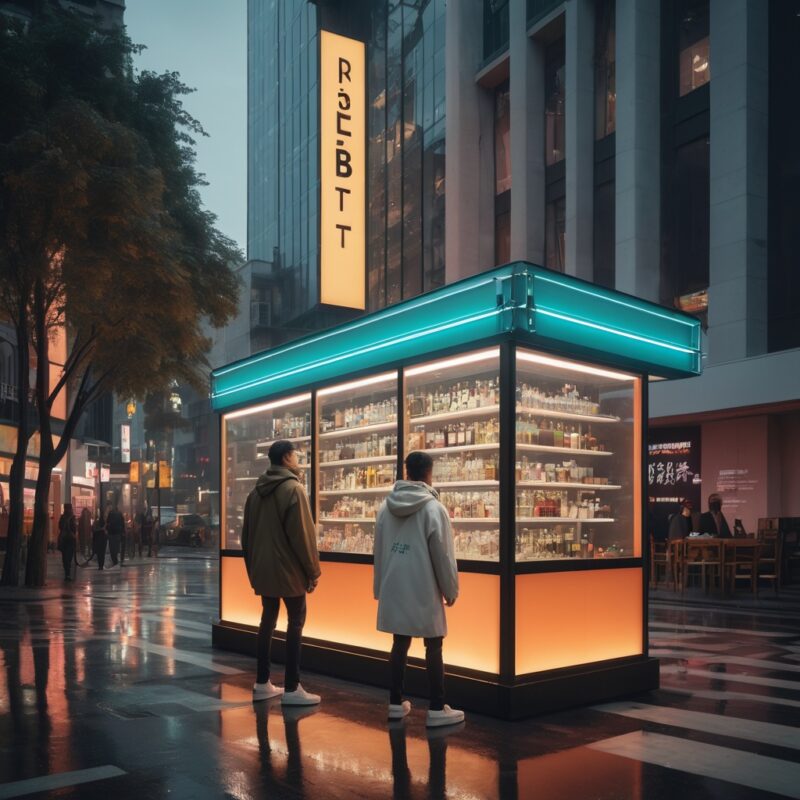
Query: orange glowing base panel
point(342, 611)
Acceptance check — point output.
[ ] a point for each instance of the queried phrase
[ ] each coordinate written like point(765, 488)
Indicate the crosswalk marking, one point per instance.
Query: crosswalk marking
point(742, 661)
point(748, 697)
point(60, 780)
point(707, 760)
point(737, 727)
point(732, 677)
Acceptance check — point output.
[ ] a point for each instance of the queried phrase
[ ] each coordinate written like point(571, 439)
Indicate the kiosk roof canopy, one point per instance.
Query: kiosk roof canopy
point(521, 301)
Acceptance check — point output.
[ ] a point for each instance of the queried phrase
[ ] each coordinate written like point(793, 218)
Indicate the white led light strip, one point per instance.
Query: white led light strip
point(572, 366)
point(344, 387)
point(483, 355)
point(289, 401)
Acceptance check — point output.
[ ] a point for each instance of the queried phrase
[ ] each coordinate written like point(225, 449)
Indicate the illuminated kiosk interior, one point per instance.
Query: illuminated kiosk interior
point(529, 389)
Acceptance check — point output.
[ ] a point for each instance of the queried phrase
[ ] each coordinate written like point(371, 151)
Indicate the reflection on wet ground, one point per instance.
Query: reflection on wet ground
point(110, 686)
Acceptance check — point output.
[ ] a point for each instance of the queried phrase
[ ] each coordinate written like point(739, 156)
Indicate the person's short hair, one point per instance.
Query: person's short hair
point(418, 465)
point(714, 496)
point(278, 450)
point(687, 504)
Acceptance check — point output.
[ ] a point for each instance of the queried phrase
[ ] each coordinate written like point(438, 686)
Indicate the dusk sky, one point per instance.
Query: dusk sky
point(206, 42)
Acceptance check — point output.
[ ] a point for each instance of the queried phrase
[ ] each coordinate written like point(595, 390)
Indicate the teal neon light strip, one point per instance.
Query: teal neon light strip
point(529, 303)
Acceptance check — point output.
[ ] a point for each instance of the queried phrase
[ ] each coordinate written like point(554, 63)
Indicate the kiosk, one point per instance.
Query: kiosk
point(529, 389)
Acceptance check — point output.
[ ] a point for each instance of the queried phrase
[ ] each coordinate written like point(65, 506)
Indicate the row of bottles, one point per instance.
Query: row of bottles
point(347, 538)
point(354, 416)
point(566, 472)
point(566, 398)
point(461, 396)
point(550, 433)
point(560, 541)
point(476, 544)
point(369, 447)
point(353, 508)
point(539, 503)
point(457, 434)
point(470, 468)
point(471, 505)
point(369, 477)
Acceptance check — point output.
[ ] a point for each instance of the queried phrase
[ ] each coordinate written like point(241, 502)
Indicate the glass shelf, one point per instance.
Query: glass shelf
point(460, 448)
point(555, 485)
point(491, 485)
point(347, 462)
point(554, 520)
point(374, 428)
point(474, 520)
point(360, 520)
point(548, 412)
point(372, 490)
point(444, 416)
point(569, 451)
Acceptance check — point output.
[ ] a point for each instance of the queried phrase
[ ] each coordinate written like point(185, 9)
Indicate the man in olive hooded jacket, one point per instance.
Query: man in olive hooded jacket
point(280, 551)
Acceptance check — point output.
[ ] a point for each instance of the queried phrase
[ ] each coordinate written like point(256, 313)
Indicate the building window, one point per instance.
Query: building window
point(687, 237)
point(502, 175)
point(783, 275)
point(604, 233)
point(555, 101)
point(495, 28)
point(693, 49)
point(605, 66)
point(502, 139)
point(555, 233)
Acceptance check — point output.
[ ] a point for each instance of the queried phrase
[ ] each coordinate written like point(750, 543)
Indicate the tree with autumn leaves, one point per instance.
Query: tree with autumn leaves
point(102, 236)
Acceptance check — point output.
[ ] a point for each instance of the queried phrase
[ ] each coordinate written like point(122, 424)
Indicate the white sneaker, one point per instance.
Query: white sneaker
point(300, 697)
point(399, 711)
point(447, 716)
point(263, 691)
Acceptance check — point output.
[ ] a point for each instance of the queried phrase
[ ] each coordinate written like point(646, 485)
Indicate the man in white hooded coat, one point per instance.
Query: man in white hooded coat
point(415, 576)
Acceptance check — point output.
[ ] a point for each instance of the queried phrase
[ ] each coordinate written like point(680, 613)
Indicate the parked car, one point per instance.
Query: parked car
point(188, 529)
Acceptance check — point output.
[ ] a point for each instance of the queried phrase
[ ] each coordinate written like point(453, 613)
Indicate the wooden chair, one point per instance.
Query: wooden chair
point(789, 532)
point(741, 563)
point(770, 558)
point(707, 557)
point(659, 561)
point(677, 556)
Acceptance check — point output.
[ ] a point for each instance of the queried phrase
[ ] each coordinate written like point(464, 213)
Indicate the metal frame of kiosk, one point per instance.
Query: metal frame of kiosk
point(529, 387)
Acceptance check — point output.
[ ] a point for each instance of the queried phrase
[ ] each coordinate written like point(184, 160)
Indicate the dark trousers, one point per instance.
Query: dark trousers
point(113, 548)
point(433, 663)
point(296, 610)
point(67, 556)
point(100, 550)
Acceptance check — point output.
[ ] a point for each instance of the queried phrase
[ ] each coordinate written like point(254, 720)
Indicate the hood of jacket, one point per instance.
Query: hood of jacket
point(273, 478)
point(408, 497)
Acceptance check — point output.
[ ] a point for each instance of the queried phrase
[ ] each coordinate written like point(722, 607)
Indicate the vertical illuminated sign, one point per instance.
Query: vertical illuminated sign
point(342, 171)
point(125, 443)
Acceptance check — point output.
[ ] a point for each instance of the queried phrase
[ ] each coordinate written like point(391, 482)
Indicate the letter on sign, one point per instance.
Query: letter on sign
point(342, 171)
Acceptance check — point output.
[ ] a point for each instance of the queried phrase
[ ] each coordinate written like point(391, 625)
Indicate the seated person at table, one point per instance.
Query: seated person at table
point(713, 521)
point(680, 523)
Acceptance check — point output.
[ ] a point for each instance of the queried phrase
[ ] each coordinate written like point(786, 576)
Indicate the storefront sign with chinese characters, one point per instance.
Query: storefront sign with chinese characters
point(673, 467)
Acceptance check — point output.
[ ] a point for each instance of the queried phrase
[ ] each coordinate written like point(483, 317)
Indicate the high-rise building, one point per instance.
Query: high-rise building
point(646, 145)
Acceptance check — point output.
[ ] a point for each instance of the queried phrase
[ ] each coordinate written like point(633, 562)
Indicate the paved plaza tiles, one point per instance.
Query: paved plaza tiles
point(109, 688)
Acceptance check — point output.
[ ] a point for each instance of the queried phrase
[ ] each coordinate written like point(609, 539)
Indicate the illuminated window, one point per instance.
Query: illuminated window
point(693, 45)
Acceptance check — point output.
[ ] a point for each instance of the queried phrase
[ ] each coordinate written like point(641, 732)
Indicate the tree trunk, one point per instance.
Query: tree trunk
point(16, 482)
point(36, 565)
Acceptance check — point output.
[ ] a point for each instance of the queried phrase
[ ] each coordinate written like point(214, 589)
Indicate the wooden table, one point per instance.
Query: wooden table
point(712, 551)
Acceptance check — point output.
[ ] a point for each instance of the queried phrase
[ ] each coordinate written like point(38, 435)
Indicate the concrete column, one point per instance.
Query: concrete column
point(737, 312)
point(638, 157)
point(527, 139)
point(469, 131)
point(580, 138)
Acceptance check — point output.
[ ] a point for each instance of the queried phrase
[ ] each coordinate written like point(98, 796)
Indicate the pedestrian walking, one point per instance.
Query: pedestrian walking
point(67, 539)
point(115, 527)
point(99, 540)
point(280, 551)
point(85, 532)
point(147, 533)
point(415, 576)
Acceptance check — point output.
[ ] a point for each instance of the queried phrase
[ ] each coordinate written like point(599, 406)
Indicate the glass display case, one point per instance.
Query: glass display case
point(528, 389)
point(357, 465)
point(574, 459)
point(452, 413)
point(246, 438)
